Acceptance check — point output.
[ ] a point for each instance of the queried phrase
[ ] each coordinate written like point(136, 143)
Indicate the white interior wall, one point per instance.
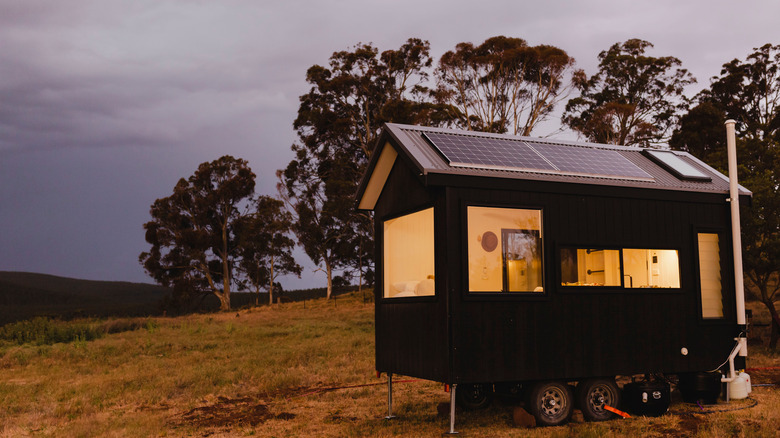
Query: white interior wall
point(409, 254)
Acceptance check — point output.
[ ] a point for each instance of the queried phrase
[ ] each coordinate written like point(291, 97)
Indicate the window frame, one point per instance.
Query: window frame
point(726, 274)
point(467, 293)
point(616, 289)
point(380, 245)
point(559, 259)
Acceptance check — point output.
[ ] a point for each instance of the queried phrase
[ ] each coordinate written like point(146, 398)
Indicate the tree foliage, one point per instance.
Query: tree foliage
point(192, 232)
point(338, 123)
point(748, 92)
point(634, 99)
point(265, 245)
point(503, 84)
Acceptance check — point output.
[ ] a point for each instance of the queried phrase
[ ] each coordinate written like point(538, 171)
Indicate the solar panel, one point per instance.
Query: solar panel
point(676, 165)
point(589, 160)
point(494, 153)
point(519, 155)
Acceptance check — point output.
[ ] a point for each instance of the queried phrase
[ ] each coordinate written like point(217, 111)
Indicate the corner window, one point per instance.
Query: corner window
point(408, 257)
point(504, 250)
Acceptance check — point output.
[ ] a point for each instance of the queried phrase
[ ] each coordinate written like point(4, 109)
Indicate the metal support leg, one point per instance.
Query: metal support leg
point(389, 397)
point(452, 411)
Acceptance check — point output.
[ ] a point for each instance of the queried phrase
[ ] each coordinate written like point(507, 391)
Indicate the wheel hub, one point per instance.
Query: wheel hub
point(599, 397)
point(551, 402)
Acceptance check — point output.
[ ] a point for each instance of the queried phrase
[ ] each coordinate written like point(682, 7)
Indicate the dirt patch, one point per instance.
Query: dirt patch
point(226, 412)
point(336, 418)
point(688, 426)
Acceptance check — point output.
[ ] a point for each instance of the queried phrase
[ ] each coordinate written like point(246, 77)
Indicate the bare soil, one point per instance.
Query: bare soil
point(227, 412)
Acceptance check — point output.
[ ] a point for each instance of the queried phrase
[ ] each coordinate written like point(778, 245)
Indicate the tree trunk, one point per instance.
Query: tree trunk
point(271, 284)
point(329, 272)
point(775, 324)
point(224, 295)
point(224, 301)
point(360, 269)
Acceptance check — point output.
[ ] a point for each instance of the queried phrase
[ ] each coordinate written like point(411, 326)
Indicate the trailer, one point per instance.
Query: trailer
point(525, 265)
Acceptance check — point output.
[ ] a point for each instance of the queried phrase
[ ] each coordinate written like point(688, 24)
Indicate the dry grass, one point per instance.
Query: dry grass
point(272, 372)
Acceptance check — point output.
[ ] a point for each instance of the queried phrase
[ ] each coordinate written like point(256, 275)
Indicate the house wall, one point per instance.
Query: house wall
point(569, 333)
point(560, 333)
point(411, 332)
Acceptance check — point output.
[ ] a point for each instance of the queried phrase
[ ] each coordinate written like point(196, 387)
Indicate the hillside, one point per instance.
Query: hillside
point(24, 295)
point(289, 370)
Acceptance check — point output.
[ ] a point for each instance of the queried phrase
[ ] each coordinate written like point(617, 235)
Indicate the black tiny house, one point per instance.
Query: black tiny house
point(506, 260)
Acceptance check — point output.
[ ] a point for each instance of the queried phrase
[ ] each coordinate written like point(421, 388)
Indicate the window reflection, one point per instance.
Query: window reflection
point(511, 264)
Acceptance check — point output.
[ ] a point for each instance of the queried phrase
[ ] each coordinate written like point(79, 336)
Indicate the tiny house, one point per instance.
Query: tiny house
point(510, 263)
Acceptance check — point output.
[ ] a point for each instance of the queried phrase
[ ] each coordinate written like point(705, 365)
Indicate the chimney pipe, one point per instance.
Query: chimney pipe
point(736, 237)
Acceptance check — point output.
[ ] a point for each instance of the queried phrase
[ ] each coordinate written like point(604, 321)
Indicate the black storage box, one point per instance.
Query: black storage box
point(700, 387)
point(648, 398)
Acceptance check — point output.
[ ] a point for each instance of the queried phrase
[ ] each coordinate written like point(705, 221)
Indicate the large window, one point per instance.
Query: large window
point(627, 267)
point(505, 250)
point(409, 256)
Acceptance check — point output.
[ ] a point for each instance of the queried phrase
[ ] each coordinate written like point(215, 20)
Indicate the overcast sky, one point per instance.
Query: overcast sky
point(105, 104)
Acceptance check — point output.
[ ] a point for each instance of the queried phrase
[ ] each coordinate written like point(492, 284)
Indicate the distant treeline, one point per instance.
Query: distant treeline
point(247, 299)
point(25, 295)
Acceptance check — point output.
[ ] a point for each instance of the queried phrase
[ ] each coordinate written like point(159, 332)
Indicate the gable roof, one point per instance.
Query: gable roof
point(423, 148)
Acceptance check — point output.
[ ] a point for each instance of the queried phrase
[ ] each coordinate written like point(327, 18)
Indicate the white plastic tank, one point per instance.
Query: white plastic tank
point(738, 388)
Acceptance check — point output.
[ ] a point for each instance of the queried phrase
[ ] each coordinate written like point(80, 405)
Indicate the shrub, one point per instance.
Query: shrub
point(45, 331)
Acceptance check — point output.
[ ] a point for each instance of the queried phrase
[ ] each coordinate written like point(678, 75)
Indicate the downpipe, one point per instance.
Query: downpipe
point(736, 239)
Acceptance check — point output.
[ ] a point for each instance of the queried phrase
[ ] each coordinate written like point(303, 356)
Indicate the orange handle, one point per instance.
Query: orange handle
point(616, 411)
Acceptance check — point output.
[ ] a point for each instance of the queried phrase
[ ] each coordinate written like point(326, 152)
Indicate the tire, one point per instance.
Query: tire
point(593, 394)
point(551, 403)
point(473, 396)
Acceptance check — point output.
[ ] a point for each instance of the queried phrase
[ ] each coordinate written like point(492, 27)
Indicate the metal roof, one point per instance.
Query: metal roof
point(410, 141)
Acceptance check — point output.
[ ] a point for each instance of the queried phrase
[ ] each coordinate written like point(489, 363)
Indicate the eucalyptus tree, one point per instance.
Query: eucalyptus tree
point(634, 99)
point(265, 245)
point(749, 92)
point(192, 231)
point(338, 123)
point(503, 84)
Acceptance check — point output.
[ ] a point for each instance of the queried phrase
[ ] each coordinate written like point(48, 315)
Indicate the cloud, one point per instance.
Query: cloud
point(104, 104)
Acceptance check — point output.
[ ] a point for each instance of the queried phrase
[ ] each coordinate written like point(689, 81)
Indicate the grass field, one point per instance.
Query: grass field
point(281, 371)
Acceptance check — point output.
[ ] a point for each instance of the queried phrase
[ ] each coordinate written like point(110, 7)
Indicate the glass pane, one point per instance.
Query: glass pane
point(409, 256)
point(522, 260)
point(651, 268)
point(590, 267)
point(677, 165)
point(504, 250)
point(709, 276)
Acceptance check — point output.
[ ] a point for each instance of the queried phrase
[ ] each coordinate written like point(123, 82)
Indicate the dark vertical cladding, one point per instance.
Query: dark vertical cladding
point(411, 335)
point(566, 329)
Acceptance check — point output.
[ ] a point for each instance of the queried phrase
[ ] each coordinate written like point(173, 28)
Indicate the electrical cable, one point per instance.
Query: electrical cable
point(727, 359)
point(753, 402)
point(334, 388)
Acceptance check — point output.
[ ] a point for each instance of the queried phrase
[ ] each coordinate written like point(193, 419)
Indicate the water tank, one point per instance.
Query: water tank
point(648, 398)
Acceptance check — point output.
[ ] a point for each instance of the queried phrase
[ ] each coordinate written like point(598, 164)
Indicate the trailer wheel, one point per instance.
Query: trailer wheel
point(593, 394)
point(473, 396)
point(551, 403)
